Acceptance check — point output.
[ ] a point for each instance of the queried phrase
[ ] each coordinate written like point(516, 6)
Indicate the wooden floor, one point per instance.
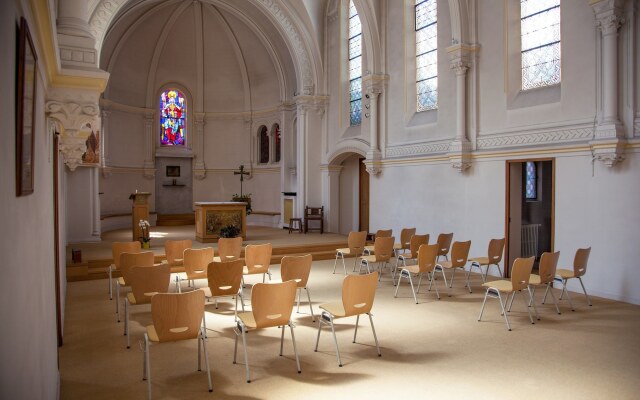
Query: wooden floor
point(96, 257)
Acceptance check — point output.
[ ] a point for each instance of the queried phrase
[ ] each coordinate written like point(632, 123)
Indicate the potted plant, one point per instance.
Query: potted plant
point(245, 198)
point(229, 231)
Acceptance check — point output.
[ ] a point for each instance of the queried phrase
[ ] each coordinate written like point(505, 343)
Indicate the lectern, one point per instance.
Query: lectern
point(139, 210)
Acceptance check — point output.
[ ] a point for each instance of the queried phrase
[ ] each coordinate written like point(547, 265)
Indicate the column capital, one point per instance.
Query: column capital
point(609, 15)
point(375, 84)
point(306, 103)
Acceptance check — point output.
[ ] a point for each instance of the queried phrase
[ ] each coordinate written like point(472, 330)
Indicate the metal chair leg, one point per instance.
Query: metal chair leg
point(295, 348)
point(375, 337)
point(206, 359)
point(585, 292)
point(313, 317)
point(355, 333)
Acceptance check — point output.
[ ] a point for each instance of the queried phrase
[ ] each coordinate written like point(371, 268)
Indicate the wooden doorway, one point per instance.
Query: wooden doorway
point(363, 196)
point(530, 209)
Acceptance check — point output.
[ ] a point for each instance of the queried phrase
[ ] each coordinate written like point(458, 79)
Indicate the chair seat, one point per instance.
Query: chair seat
point(345, 252)
point(121, 282)
point(480, 260)
point(146, 300)
point(247, 319)
point(446, 264)
point(414, 269)
point(336, 309)
point(153, 335)
point(258, 269)
point(407, 256)
point(501, 285)
point(534, 279)
point(565, 273)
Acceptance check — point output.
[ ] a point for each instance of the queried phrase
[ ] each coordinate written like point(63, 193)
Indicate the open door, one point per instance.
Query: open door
point(363, 196)
point(529, 214)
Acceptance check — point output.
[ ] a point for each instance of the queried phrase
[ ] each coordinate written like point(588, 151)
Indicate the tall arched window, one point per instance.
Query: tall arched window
point(540, 42)
point(276, 141)
point(426, 14)
point(263, 139)
point(355, 66)
point(173, 115)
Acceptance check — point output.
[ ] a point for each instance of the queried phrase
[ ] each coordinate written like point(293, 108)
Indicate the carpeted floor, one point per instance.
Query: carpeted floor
point(435, 349)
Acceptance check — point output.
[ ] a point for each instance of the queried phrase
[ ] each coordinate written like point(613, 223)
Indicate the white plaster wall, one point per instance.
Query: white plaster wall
point(28, 361)
point(117, 187)
point(80, 204)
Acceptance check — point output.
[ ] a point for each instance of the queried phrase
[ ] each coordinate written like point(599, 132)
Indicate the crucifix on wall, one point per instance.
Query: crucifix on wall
point(242, 173)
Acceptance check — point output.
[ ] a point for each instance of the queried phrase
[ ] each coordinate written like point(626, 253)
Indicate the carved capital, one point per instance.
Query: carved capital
point(72, 148)
point(460, 154)
point(459, 67)
point(73, 115)
point(307, 103)
point(375, 84)
point(461, 166)
point(608, 151)
point(610, 24)
point(609, 15)
point(373, 162)
point(199, 119)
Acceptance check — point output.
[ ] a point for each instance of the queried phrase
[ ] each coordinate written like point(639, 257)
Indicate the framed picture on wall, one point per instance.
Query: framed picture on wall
point(25, 105)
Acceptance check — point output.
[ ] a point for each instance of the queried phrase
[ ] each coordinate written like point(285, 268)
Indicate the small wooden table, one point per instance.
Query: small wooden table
point(213, 216)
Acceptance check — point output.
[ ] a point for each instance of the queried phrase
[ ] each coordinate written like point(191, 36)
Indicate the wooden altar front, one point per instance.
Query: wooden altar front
point(213, 216)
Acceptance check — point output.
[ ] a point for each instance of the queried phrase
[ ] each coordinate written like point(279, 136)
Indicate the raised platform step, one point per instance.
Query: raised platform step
point(176, 219)
point(97, 269)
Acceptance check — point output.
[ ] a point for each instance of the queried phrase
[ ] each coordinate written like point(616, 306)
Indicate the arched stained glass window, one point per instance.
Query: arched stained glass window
point(263, 139)
point(540, 42)
point(355, 66)
point(277, 141)
point(173, 113)
point(426, 13)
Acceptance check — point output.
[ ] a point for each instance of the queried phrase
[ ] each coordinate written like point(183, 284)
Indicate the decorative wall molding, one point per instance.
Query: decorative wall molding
point(535, 138)
point(77, 56)
point(101, 19)
point(417, 149)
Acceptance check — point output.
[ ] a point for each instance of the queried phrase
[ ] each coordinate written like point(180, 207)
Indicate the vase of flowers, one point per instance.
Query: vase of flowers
point(145, 238)
point(229, 231)
point(245, 198)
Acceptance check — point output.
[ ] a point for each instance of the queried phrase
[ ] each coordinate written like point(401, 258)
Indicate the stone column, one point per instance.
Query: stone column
point(609, 142)
point(301, 157)
point(374, 86)
point(199, 169)
point(104, 144)
point(75, 41)
point(149, 164)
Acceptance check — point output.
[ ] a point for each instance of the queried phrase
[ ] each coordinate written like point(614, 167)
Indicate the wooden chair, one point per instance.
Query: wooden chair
point(368, 250)
point(195, 265)
point(459, 256)
point(145, 283)
point(229, 249)
point(427, 255)
point(520, 274)
point(314, 214)
point(174, 251)
point(405, 240)
point(383, 251)
point(444, 245)
point(494, 256)
point(118, 248)
point(545, 276)
point(356, 242)
point(225, 280)
point(297, 268)
point(358, 292)
point(272, 304)
point(176, 316)
point(128, 261)
point(414, 245)
point(257, 258)
point(579, 269)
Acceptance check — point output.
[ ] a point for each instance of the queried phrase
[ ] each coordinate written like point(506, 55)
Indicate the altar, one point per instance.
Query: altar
point(213, 216)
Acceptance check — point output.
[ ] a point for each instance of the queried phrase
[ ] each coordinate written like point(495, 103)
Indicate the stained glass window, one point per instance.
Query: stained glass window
point(173, 113)
point(355, 66)
point(276, 139)
point(426, 14)
point(264, 145)
point(531, 181)
point(540, 42)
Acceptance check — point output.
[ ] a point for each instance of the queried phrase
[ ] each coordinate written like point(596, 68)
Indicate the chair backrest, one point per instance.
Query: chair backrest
point(384, 233)
point(146, 282)
point(177, 316)
point(229, 248)
point(521, 272)
point(427, 257)
point(460, 253)
point(174, 250)
point(313, 212)
point(415, 243)
point(196, 260)
point(117, 248)
point(358, 292)
point(580, 261)
point(356, 242)
point(383, 248)
point(257, 256)
point(547, 267)
point(272, 303)
point(444, 243)
point(130, 260)
point(296, 268)
point(496, 248)
point(225, 277)
point(405, 236)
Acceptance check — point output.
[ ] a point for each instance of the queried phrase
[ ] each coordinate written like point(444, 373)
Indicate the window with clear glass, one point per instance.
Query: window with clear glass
point(355, 66)
point(263, 138)
point(540, 43)
point(426, 15)
point(531, 181)
point(173, 113)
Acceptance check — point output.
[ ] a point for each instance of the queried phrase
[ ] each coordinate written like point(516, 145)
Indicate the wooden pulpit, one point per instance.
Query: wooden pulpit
point(139, 210)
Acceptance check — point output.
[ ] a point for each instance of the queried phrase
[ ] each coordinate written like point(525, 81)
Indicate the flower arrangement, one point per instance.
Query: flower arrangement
point(229, 231)
point(145, 239)
point(245, 198)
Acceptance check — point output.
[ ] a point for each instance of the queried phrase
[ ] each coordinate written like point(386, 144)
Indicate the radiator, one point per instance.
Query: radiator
point(529, 240)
